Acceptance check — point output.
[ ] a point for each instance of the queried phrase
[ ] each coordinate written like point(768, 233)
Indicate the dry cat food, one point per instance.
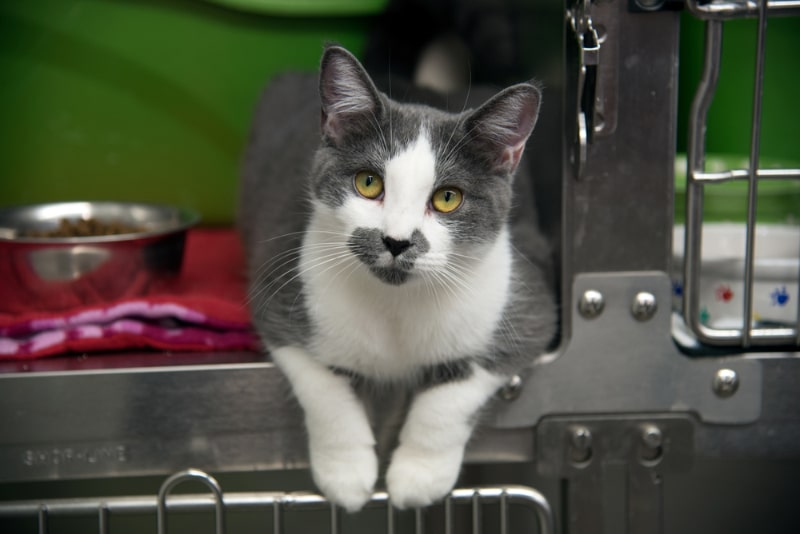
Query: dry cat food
point(86, 228)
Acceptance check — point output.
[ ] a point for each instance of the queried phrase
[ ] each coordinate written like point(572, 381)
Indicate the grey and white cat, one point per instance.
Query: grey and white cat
point(383, 249)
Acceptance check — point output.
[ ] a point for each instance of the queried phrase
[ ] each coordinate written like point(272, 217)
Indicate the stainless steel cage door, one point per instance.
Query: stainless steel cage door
point(748, 334)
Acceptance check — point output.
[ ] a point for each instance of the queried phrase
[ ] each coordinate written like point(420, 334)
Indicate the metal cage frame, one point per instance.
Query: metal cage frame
point(618, 407)
point(715, 14)
point(278, 503)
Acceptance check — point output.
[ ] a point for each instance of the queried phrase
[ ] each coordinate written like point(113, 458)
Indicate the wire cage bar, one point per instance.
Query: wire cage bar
point(728, 10)
point(162, 505)
point(749, 334)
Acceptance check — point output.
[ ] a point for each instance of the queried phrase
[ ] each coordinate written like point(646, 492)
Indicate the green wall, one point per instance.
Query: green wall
point(730, 116)
point(148, 100)
point(151, 100)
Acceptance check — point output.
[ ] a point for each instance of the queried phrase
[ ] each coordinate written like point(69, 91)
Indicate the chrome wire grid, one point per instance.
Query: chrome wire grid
point(715, 14)
point(279, 505)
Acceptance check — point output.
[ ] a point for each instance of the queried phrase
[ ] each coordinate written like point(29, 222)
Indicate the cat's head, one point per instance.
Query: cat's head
point(414, 189)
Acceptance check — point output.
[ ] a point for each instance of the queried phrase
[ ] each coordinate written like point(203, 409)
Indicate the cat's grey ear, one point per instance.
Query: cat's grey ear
point(501, 127)
point(350, 101)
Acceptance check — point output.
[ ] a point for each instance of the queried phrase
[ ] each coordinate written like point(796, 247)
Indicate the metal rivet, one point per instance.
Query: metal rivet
point(652, 436)
point(512, 389)
point(726, 383)
point(581, 445)
point(652, 444)
point(591, 304)
point(644, 306)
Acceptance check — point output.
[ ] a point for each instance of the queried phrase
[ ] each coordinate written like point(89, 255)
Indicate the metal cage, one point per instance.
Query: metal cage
point(749, 334)
point(636, 402)
point(277, 505)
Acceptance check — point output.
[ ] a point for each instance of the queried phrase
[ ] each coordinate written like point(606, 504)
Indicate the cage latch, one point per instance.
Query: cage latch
point(579, 17)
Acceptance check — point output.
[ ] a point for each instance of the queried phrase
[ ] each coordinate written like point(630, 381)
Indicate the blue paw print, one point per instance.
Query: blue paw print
point(780, 297)
point(677, 288)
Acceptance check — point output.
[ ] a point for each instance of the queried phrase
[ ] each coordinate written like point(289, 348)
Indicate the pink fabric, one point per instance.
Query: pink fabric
point(202, 309)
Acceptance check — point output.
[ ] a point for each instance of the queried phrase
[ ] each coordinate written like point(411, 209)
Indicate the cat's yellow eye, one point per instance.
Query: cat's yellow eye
point(369, 184)
point(446, 199)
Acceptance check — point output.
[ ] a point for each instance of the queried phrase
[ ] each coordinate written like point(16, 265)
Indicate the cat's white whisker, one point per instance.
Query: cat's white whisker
point(445, 155)
point(347, 264)
point(509, 333)
point(448, 159)
point(389, 110)
point(291, 258)
point(356, 265)
point(334, 258)
point(311, 231)
point(460, 256)
point(446, 283)
point(281, 236)
point(290, 255)
point(377, 127)
point(304, 233)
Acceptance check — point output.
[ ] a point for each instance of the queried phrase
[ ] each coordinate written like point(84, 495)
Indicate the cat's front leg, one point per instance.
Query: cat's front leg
point(427, 461)
point(340, 440)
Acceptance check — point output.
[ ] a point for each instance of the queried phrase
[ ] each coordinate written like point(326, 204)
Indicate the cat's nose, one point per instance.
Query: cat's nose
point(396, 246)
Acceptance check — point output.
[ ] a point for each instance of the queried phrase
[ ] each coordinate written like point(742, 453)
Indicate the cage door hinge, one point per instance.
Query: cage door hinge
point(612, 467)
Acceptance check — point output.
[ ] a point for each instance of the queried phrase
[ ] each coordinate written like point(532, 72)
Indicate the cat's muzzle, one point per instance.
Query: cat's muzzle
point(390, 260)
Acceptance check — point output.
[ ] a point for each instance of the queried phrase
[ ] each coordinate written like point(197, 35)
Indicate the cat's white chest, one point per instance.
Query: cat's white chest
point(389, 332)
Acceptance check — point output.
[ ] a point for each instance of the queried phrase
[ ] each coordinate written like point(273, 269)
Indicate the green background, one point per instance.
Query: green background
point(730, 115)
point(151, 100)
point(148, 100)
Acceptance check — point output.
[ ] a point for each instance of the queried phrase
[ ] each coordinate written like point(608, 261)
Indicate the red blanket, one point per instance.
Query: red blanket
point(202, 309)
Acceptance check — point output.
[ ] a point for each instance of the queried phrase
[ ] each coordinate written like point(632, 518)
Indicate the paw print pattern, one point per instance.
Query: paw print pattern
point(724, 293)
point(705, 317)
point(780, 297)
point(677, 288)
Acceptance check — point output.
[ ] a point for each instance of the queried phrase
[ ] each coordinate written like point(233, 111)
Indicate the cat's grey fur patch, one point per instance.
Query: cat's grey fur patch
point(367, 244)
point(274, 206)
point(427, 377)
point(434, 375)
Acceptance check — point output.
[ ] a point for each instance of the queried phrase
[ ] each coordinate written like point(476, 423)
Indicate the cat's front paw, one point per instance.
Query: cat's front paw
point(419, 477)
point(346, 475)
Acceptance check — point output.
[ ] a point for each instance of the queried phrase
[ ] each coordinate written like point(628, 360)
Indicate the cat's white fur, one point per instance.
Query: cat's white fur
point(389, 333)
point(427, 461)
point(340, 440)
point(409, 184)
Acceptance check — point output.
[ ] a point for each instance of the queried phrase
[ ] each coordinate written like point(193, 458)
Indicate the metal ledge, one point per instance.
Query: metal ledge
point(150, 414)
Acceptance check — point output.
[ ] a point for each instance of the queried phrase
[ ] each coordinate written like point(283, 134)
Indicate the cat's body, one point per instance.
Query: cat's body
point(393, 289)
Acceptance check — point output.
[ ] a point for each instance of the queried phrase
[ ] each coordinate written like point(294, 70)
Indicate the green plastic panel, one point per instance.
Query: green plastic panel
point(144, 100)
point(730, 116)
point(314, 8)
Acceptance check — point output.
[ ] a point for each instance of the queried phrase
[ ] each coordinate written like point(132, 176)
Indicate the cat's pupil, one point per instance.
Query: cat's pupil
point(448, 195)
point(369, 180)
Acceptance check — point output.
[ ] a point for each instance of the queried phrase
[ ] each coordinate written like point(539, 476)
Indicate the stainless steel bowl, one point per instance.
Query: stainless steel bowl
point(55, 273)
